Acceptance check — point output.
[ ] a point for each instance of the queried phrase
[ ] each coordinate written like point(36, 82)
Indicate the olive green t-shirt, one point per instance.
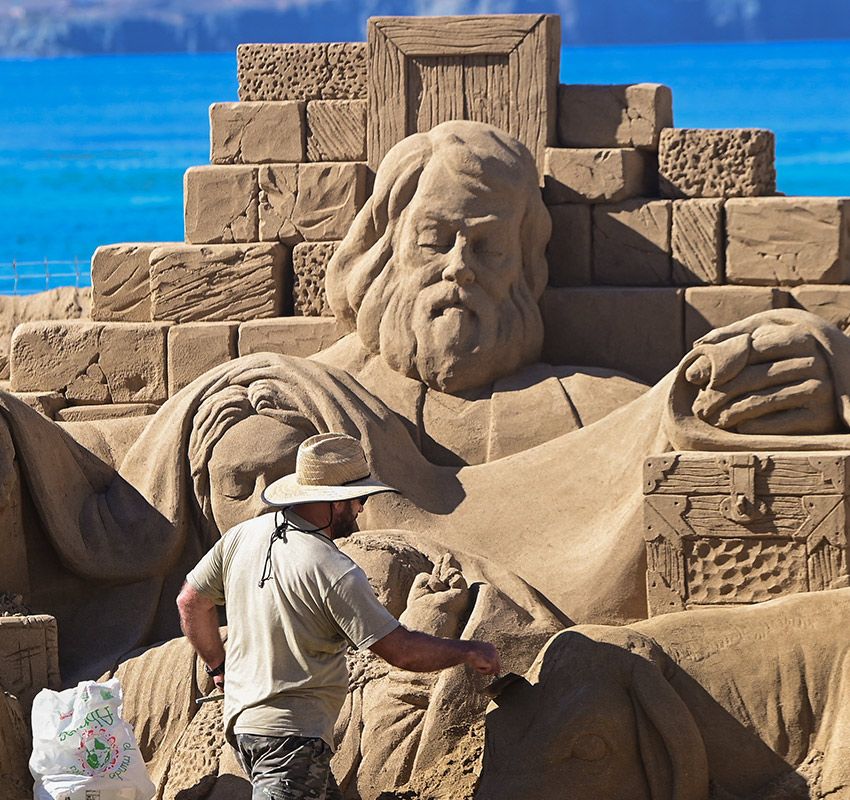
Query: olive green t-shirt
point(286, 642)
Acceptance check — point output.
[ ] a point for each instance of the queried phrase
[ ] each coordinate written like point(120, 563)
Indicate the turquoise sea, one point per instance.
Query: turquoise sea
point(92, 150)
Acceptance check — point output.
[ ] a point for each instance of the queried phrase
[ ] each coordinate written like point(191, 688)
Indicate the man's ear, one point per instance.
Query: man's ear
point(671, 746)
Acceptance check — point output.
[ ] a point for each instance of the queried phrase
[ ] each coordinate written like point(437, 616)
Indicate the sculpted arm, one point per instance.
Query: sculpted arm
point(199, 621)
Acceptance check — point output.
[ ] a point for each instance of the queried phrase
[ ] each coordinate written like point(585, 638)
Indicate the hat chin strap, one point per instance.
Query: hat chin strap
point(279, 532)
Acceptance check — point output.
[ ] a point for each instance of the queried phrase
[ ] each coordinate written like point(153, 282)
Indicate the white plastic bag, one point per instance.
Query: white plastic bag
point(82, 749)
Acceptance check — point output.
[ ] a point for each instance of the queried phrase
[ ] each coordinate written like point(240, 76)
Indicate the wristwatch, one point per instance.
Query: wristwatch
point(219, 670)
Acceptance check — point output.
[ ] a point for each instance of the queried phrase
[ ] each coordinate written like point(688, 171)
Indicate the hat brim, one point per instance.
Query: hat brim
point(287, 491)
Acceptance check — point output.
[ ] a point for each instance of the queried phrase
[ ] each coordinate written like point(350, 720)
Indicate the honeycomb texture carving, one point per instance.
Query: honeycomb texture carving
point(309, 262)
point(716, 163)
point(723, 570)
point(302, 71)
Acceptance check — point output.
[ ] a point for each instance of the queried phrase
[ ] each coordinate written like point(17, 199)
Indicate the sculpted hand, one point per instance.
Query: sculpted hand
point(437, 600)
point(765, 378)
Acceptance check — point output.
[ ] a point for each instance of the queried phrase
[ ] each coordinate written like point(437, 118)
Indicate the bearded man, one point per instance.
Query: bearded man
point(440, 277)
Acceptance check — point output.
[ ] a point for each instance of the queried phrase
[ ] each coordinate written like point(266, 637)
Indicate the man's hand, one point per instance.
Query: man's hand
point(437, 600)
point(484, 658)
point(764, 377)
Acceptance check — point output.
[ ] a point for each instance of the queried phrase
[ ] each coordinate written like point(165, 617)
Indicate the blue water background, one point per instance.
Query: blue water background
point(92, 150)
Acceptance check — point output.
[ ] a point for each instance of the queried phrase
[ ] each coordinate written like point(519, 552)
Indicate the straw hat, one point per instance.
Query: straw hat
point(328, 468)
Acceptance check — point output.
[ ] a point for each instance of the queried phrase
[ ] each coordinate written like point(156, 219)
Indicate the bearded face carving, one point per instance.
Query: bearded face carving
point(442, 271)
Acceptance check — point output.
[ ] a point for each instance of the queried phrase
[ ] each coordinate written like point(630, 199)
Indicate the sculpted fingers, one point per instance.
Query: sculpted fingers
point(756, 378)
point(774, 342)
point(808, 394)
point(796, 422)
point(420, 587)
point(450, 573)
point(699, 373)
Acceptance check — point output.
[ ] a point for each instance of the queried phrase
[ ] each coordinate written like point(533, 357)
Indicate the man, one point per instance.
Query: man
point(295, 602)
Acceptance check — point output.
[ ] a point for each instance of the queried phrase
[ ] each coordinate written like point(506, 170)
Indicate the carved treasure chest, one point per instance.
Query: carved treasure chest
point(738, 528)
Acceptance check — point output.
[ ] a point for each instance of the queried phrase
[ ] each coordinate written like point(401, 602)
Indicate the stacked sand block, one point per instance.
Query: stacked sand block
point(647, 218)
point(29, 656)
point(66, 302)
point(92, 365)
point(637, 203)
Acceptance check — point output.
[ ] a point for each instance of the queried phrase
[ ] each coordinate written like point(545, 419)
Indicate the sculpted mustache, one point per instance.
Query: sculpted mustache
point(441, 296)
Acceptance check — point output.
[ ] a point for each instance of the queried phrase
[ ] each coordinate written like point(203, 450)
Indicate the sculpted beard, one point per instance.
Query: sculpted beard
point(455, 338)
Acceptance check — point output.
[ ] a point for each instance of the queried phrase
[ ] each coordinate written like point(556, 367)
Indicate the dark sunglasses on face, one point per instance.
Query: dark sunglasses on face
point(362, 500)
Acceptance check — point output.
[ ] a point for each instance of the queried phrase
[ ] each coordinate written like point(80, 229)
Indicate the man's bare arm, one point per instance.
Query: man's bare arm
point(419, 652)
point(199, 621)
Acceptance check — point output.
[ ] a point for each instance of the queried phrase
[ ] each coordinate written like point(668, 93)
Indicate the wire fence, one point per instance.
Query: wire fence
point(29, 277)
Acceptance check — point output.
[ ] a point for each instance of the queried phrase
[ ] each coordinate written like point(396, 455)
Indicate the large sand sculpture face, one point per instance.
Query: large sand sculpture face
point(442, 270)
point(245, 460)
point(457, 265)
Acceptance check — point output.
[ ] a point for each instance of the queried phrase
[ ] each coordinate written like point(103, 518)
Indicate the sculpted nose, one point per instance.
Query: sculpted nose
point(458, 269)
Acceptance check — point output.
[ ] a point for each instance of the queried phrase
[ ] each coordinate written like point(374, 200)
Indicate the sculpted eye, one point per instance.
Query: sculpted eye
point(435, 245)
point(589, 747)
point(237, 485)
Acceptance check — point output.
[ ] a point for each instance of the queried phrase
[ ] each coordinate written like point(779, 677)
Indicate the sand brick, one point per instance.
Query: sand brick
point(613, 116)
point(347, 71)
point(192, 283)
point(313, 202)
point(309, 263)
point(788, 240)
point(292, 336)
point(221, 204)
point(64, 302)
point(696, 162)
point(698, 242)
point(596, 175)
point(569, 250)
point(108, 411)
point(195, 347)
point(46, 403)
point(336, 130)
point(29, 656)
point(120, 278)
point(319, 71)
point(91, 362)
point(329, 196)
point(257, 133)
point(631, 243)
point(831, 303)
point(637, 331)
point(278, 190)
point(709, 307)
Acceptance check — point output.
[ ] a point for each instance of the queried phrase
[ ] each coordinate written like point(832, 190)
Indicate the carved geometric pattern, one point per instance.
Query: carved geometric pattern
point(733, 528)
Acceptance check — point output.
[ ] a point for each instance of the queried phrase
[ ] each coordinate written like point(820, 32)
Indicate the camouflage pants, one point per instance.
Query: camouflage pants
point(288, 767)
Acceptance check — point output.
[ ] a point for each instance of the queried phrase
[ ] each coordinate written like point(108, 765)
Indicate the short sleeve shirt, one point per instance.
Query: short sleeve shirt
point(286, 641)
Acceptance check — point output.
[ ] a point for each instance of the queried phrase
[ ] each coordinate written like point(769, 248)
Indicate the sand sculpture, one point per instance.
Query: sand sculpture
point(727, 703)
point(432, 312)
